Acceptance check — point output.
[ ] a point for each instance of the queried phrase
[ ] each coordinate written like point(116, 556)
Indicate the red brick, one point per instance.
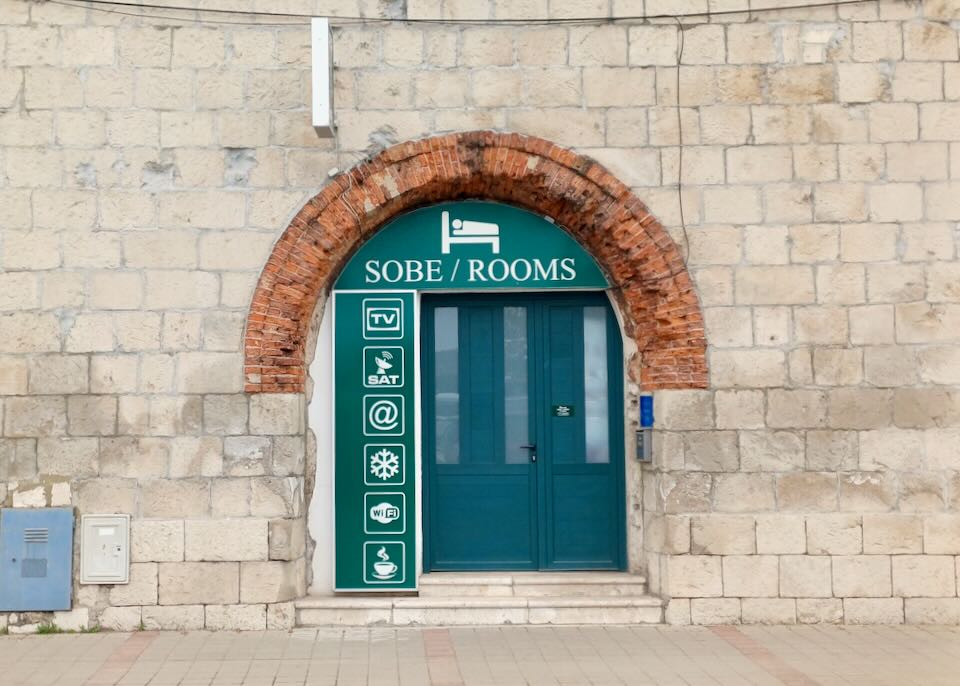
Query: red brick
point(652, 286)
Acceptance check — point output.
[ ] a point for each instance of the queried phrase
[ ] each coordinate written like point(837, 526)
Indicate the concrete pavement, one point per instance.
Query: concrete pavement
point(492, 656)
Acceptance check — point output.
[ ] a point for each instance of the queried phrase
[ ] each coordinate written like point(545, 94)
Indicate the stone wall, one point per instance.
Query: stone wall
point(147, 165)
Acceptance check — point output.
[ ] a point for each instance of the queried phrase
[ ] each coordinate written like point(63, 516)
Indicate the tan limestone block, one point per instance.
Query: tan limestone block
point(288, 539)
point(156, 540)
point(814, 242)
point(163, 498)
point(276, 497)
point(839, 534)
point(861, 83)
point(892, 534)
point(917, 81)
point(941, 534)
point(196, 456)
point(281, 616)
point(712, 611)
point(859, 408)
point(724, 124)
point(235, 617)
point(221, 540)
point(892, 449)
point(92, 415)
point(722, 535)
point(271, 582)
point(838, 366)
point(607, 46)
point(488, 46)
point(736, 409)
point(932, 610)
point(861, 576)
point(815, 162)
point(751, 575)
point(142, 588)
point(868, 492)
point(781, 534)
point(832, 450)
point(76, 458)
point(535, 45)
point(928, 576)
point(871, 325)
point(106, 496)
point(819, 611)
point(34, 416)
point(796, 409)
point(807, 491)
point(841, 284)
point(861, 162)
point(753, 43)
point(120, 618)
point(926, 407)
point(891, 122)
point(769, 611)
point(203, 372)
point(111, 373)
point(53, 374)
point(182, 583)
point(684, 492)
point(873, 610)
point(230, 497)
point(771, 451)
point(778, 285)
point(694, 576)
point(744, 493)
point(732, 205)
point(747, 368)
point(173, 618)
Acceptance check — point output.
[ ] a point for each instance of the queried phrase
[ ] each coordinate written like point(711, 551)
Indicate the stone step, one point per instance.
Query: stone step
point(529, 584)
point(466, 611)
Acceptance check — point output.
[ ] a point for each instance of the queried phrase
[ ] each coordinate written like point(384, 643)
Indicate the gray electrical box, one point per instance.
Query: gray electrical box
point(105, 549)
point(36, 559)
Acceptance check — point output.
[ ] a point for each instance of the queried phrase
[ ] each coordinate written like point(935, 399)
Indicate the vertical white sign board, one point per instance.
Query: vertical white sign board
point(322, 78)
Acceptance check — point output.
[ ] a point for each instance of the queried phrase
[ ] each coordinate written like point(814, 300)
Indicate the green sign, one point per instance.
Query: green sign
point(465, 245)
point(374, 447)
point(471, 245)
point(563, 410)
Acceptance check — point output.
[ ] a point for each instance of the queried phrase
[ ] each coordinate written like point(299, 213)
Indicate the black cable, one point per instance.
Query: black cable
point(371, 20)
point(683, 221)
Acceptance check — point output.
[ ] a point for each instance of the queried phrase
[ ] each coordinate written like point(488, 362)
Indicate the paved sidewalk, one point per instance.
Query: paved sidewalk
point(494, 656)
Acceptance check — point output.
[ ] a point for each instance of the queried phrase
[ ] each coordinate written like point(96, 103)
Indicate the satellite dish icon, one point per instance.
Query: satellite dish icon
point(382, 364)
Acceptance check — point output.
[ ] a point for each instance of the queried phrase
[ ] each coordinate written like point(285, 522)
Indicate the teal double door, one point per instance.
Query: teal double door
point(522, 433)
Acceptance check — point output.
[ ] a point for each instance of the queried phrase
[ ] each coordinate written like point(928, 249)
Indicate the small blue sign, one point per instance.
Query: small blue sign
point(646, 411)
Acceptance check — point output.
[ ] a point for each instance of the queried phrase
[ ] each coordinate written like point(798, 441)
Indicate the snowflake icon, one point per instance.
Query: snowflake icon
point(384, 464)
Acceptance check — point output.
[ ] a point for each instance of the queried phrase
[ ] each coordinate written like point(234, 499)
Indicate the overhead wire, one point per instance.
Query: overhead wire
point(104, 5)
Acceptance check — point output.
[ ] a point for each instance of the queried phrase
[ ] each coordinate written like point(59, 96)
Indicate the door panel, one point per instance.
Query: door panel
point(502, 373)
point(474, 477)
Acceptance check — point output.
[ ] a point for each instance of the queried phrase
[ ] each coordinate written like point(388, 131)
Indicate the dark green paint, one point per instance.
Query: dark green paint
point(527, 252)
point(559, 512)
point(374, 511)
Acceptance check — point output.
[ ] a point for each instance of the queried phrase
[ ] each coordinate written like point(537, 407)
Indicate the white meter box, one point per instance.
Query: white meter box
point(105, 549)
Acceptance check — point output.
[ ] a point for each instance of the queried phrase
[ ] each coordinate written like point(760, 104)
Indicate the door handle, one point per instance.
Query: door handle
point(532, 447)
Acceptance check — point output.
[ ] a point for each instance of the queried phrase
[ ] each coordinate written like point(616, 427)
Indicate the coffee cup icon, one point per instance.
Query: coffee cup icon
point(385, 569)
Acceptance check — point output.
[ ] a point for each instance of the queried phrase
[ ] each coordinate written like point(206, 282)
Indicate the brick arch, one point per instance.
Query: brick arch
point(657, 299)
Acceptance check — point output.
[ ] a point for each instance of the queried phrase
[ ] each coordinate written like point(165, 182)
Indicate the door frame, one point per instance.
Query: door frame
point(615, 392)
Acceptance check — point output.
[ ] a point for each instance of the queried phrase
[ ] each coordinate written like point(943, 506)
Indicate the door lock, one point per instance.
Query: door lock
point(532, 447)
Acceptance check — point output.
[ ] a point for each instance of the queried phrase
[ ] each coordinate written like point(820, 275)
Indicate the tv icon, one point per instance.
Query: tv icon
point(382, 319)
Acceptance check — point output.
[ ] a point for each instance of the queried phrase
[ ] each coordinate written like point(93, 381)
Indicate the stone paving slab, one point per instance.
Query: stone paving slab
point(492, 656)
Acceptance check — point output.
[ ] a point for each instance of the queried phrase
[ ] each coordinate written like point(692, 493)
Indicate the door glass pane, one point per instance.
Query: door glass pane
point(446, 351)
point(596, 410)
point(516, 403)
